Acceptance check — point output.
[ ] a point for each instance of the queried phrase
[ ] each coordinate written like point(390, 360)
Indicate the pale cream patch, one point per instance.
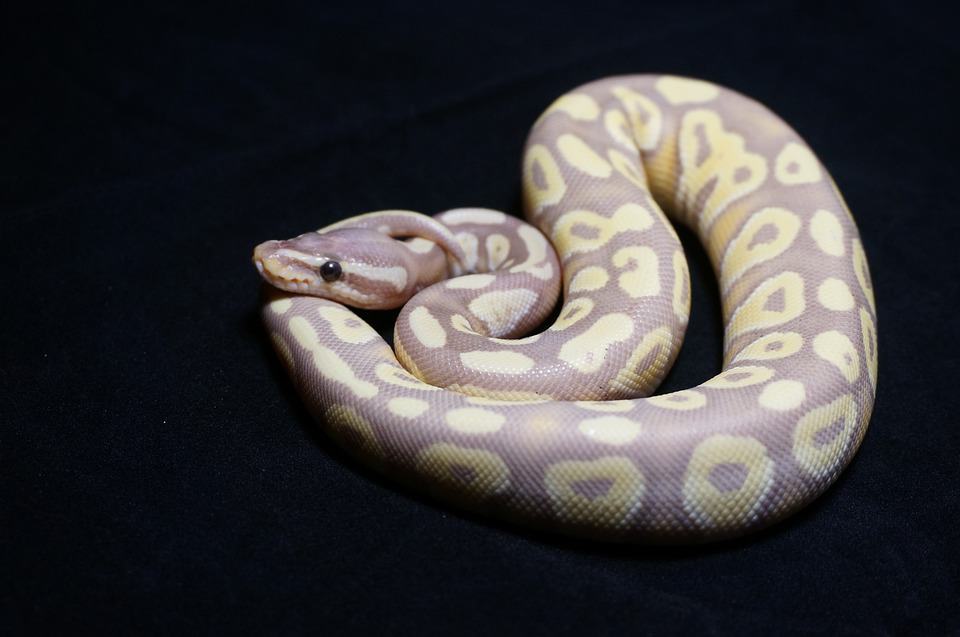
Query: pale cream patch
point(353, 430)
point(819, 457)
point(681, 286)
point(399, 377)
point(635, 379)
point(426, 328)
point(711, 507)
point(536, 245)
point(629, 167)
point(644, 115)
point(729, 170)
point(863, 274)
point(681, 90)
point(579, 155)
point(683, 400)
point(628, 217)
point(471, 282)
point(503, 310)
point(346, 325)
point(407, 407)
point(327, 361)
point(498, 247)
point(283, 350)
point(642, 275)
point(281, 306)
point(476, 473)
point(753, 315)
point(835, 348)
point(605, 405)
point(497, 362)
point(795, 164)
point(835, 295)
point(577, 105)
point(572, 313)
point(473, 420)
point(587, 352)
point(471, 246)
point(540, 166)
point(744, 252)
point(461, 324)
point(868, 333)
point(589, 279)
point(771, 346)
point(396, 276)
point(620, 502)
point(782, 395)
point(419, 245)
point(742, 376)
point(610, 430)
point(478, 216)
point(827, 232)
point(544, 271)
point(616, 124)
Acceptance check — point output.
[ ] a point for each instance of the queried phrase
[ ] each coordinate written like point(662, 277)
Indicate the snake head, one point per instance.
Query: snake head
point(359, 267)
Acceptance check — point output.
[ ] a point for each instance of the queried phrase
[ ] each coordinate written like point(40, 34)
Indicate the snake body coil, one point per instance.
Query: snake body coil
point(548, 430)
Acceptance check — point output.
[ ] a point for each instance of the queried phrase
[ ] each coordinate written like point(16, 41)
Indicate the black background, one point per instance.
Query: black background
point(158, 473)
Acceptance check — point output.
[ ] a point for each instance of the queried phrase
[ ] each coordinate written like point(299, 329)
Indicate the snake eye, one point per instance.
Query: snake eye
point(331, 271)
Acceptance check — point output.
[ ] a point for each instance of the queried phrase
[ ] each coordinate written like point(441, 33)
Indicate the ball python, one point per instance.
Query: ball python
point(556, 428)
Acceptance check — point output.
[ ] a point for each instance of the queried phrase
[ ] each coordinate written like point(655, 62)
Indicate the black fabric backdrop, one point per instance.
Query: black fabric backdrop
point(158, 473)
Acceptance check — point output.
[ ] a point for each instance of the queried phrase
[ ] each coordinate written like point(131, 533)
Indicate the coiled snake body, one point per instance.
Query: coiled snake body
point(549, 429)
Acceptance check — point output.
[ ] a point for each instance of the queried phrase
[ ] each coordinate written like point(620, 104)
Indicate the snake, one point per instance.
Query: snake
point(526, 353)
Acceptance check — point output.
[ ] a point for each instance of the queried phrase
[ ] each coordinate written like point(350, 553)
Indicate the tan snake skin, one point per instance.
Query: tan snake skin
point(549, 430)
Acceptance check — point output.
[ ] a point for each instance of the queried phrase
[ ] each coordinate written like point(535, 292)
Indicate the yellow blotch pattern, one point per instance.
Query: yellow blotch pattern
point(745, 251)
point(681, 90)
point(327, 362)
point(741, 376)
point(683, 400)
point(822, 435)
point(497, 362)
point(711, 507)
point(473, 420)
point(795, 164)
point(835, 295)
point(863, 273)
point(586, 352)
point(827, 233)
point(868, 331)
point(539, 161)
point(621, 500)
point(753, 313)
point(644, 116)
point(626, 218)
point(719, 157)
point(589, 279)
point(346, 325)
point(635, 379)
point(835, 348)
point(579, 155)
point(771, 346)
point(610, 430)
point(642, 273)
point(472, 472)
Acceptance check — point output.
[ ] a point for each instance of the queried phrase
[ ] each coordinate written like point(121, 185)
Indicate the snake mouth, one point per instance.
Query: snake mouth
point(283, 272)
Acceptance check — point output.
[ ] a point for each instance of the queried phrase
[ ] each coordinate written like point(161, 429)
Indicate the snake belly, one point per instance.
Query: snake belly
point(732, 455)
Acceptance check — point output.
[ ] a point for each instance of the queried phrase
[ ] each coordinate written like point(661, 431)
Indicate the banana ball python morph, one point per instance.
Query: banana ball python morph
point(552, 428)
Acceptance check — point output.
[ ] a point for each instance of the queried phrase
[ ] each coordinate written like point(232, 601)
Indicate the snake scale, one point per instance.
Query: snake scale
point(557, 429)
